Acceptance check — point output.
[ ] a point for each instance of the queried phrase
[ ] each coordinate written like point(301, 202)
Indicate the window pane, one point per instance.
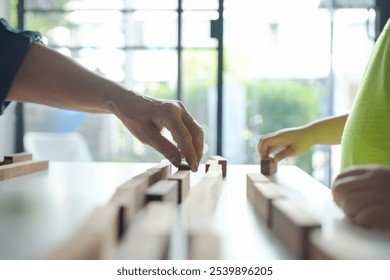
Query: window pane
point(196, 29)
point(288, 73)
point(151, 29)
point(199, 92)
point(200, 4)
point(74, 5)
point(153, 72)
point(151, 4)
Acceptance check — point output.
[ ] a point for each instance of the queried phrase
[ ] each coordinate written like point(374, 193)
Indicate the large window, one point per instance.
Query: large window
point(285, 62)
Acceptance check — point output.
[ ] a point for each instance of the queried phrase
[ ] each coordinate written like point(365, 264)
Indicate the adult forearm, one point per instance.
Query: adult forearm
point(50, 78)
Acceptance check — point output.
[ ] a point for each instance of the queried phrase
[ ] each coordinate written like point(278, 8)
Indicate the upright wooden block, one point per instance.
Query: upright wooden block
point(268, 166)
point(253, 178)
point(183, 179)
point(213, 164)
point(184, 166)
point(262, 195)
point(163, 190)
point(292, 225)
point(222, 161)
point(130, 198)
point(96, 239)
point(8, 171)
point(149, 236)
point(131, 194)
point(125, 199)
point(203, 245)
point(19, 157)
point(159, 172)
point(202, 200)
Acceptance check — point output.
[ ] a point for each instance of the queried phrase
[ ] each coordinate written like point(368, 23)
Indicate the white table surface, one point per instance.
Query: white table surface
point(40, 211)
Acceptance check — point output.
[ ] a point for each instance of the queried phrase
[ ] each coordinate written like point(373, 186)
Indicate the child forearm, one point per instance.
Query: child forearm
point(327, 131)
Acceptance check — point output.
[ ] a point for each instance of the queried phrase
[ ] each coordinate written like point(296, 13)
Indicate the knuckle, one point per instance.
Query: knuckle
point(186, 138)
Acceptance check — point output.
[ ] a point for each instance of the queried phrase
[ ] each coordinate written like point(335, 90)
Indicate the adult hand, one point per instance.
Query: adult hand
point(363, 193)
point(145, 117)
point(47, 77)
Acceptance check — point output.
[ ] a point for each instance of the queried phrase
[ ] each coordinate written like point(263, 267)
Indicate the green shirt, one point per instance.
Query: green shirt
point(366, 136)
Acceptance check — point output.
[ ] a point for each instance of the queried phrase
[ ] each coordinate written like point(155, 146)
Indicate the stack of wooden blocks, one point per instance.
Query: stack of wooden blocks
point(291, 223)
point(138, 220)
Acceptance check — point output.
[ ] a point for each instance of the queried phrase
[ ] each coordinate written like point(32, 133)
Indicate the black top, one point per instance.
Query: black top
point(13, 47)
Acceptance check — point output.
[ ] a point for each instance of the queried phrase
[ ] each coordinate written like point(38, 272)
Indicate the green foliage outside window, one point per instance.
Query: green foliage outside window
point(283, 104)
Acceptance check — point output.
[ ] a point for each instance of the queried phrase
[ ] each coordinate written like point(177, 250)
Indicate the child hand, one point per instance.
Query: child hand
point(285, 143)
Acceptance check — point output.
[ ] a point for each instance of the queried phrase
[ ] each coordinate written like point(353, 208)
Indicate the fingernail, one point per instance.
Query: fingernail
point(194, 166)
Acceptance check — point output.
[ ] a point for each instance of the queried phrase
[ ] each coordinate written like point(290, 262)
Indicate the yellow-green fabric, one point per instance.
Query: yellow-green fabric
point(366, 136)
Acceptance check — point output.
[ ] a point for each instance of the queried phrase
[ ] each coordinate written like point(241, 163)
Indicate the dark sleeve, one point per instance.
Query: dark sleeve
point(13, 47)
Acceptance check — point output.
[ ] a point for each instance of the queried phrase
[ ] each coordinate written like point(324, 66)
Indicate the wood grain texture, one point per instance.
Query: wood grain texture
point(95, 240)
point(183, 178)
point(261, 195)
point(161, 171)
point(148, 238)
point(292, 224)
point(18, 157)
point(202, 200)
point(163, 190)
point(9, 171)
point(203, 245)
point(349, 242)
point(268, 166)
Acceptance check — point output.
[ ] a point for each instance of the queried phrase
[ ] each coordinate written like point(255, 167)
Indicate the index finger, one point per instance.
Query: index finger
point(269, 144)
point(183, 138)
point(197, 134)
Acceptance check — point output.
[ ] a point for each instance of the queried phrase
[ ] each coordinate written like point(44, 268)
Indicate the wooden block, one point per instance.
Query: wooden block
point(96, 239)
point(124, 199)
point(222, 161)
point(159, 172)
point(261, 195)
point(203, 245)
point(292, 225)
point(202, 200)
point(213, 163)
point(131, 195)
point(163, 190)
point(149, 236)
point(268, 166)
point(19, 157)
point(346, 241)
point(317, 246)
point(184, 166)
point(183, 179)
point(253, 178)
point(8, 171)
